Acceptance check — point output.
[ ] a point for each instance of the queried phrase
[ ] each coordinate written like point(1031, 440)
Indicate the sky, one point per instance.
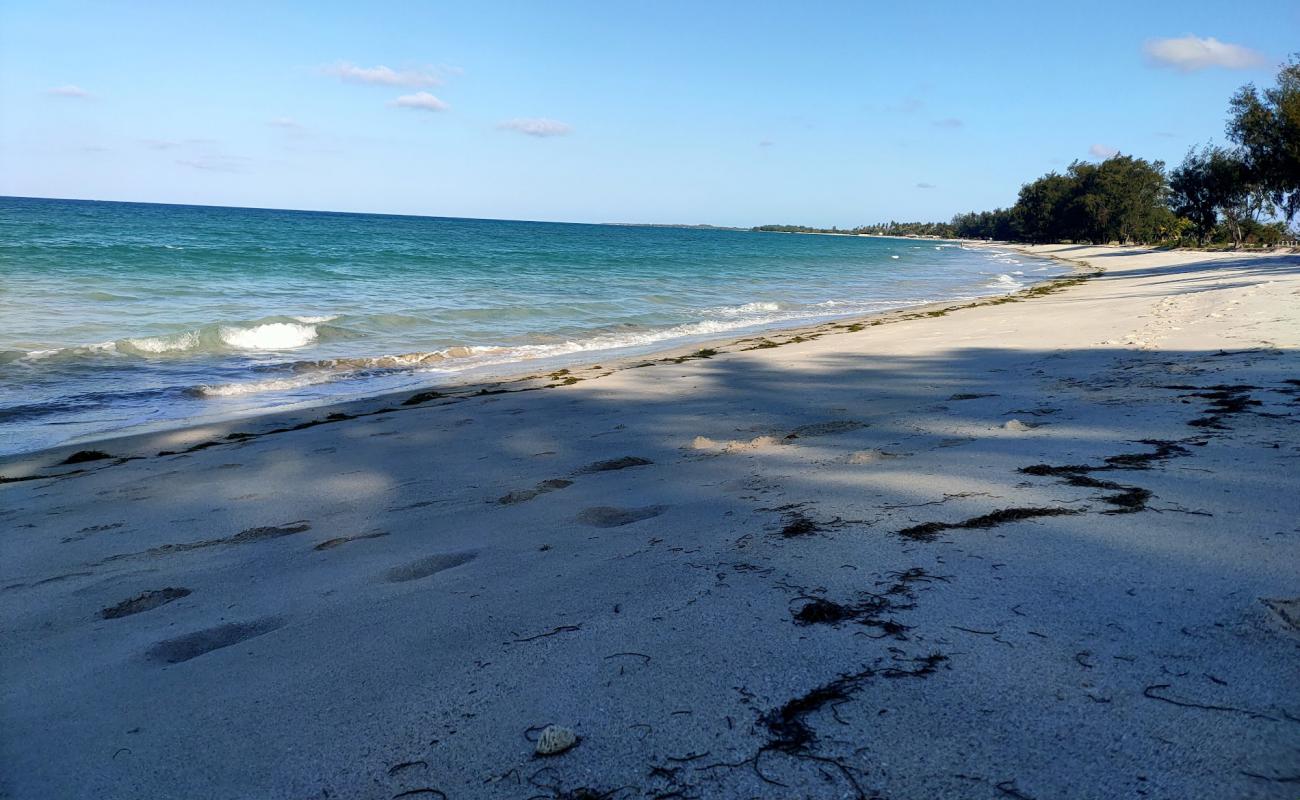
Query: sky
point(818, 113)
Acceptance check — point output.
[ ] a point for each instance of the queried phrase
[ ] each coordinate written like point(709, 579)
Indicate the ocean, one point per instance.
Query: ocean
point(119, 317)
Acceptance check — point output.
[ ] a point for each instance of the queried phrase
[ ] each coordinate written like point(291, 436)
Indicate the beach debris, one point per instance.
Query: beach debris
point(798, 523)
point(1124, 499)
point(928, 531)
point(82, 456)
point(1225, 400)
point(1286, 611)
point(422, 397)
point(145, 601)
point(555, 739)
point(1017, 425)
point(788, 728)
point(552, 632)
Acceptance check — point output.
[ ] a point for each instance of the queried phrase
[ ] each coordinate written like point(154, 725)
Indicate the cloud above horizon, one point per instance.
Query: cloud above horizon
point(1102, 151)
point(381, 75)
point(950, 122)
point(1191, 53)
point(420, 101)
point(537, 126)
point(69, 90)
point(215, 163)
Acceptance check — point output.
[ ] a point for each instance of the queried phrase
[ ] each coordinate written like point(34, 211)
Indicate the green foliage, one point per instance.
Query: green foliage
point(1215, 196)
point(996, 224)
point(1267, 126)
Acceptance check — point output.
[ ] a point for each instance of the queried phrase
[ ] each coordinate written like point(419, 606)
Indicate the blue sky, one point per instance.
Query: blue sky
point(723, 113)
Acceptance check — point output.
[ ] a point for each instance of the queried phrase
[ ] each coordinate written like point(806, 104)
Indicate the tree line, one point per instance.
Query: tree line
point(1246, 192)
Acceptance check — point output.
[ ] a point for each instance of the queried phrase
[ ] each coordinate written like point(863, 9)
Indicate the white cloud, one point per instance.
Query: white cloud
point(75, 92)
point(1102, 151)
point(539, 126)
point(384, 76)
point(1190, 53)
point(420, 101)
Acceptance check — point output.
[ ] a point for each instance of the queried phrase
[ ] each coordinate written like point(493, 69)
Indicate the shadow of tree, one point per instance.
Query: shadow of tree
point(621, 556)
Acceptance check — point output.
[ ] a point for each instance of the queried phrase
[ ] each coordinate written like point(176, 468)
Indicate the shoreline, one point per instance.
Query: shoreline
point(136, 443)
point(1034, 549)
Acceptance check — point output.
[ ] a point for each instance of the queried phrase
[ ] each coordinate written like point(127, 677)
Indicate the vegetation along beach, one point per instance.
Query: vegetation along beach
point(326, 476)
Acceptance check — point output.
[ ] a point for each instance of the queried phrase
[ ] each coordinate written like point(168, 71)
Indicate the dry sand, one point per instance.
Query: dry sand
point(1041, 549)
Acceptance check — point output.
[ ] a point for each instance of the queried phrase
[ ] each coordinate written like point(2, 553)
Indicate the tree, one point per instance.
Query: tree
point(1040, 210)
point(1192, 196)
point(1267, 126)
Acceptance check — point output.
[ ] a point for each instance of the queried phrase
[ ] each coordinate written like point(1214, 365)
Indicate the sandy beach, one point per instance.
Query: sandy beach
point(1046, 548)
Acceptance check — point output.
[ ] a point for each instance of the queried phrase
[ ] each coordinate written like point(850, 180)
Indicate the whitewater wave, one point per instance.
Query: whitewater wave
point(271, 336)
point(261, 336)
point(1004, 281)
point(258, 387)
point(747, 308)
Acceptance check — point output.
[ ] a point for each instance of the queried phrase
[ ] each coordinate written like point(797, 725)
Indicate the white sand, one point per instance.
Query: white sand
point(651, 607)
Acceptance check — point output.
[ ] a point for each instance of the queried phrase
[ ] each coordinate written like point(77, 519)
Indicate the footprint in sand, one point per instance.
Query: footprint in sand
point(425, 567)
point(145, 601)
point(524, 495)
point(330, 544)
point(870, 456)
point(193, 645)
point(611, 517)
point(825, 428)
point(614, 464)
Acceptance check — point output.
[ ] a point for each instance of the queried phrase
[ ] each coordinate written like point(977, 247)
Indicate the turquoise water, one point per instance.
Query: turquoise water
point(120, 315)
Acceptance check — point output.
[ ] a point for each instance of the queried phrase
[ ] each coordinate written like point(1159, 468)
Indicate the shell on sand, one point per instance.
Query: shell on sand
point(1016, 425)
point(555, 739)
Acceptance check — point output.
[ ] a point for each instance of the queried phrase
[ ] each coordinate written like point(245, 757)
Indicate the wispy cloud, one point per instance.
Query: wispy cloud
point(908, 105)
point(766, 143)
point(172, 144)
point(215, 163)
point(950, 123)
point(414, 77)
point(70, 91)
point(537, 126)
point(1167, 135)
point(1190, 53)
point(420, 101)
point(926, 186)
point(287, 123)
point(1102, 151)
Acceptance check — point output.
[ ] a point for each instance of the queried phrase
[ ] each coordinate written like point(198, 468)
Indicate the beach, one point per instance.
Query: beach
point(1030, 547)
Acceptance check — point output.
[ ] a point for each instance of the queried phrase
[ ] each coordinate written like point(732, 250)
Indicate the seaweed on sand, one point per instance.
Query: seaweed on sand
point(928, 531)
